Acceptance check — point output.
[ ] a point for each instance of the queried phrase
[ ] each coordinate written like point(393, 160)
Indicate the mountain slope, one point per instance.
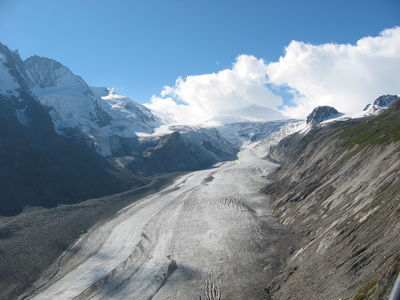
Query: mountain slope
point(38, 166)
point(338, 191)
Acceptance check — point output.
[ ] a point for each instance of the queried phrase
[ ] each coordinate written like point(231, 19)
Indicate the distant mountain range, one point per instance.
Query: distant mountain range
point(63, 141)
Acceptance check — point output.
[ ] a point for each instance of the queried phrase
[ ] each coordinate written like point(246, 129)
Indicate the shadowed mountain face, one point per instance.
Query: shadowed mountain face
point(39, 167)
point(170, 155)
point(338, 191)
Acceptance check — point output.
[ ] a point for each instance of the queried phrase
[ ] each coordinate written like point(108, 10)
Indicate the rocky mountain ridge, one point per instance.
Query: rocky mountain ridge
point(380, 104)
point(95, 116)
point(338, 191)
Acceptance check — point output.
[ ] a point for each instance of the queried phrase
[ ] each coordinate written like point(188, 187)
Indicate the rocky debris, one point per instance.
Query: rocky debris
point(322, 113)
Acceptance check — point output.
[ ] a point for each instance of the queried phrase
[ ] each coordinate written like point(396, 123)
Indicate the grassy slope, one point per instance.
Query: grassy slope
point(384, 128)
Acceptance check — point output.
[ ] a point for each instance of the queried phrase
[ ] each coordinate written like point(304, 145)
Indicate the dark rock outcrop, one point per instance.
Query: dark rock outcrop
point(169, 154)
point(39, 167)
point(385, 100)
point(322, 113)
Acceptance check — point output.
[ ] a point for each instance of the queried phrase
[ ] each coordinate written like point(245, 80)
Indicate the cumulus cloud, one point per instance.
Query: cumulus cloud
point(347, 77)
point(209, 95)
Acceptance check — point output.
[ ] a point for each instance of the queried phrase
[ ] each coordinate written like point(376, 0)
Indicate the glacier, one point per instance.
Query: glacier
point(189, 240)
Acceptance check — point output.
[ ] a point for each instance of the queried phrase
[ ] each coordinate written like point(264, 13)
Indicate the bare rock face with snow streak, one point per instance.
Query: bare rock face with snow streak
point(380, 104)
point(322, 113)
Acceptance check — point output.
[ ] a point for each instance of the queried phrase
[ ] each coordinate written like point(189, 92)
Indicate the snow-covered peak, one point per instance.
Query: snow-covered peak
point(379, 104)
point(48, 74)
point(97, 117)
point(45, 72)
point(323, 113)
point(129, 118)
point(123, 103)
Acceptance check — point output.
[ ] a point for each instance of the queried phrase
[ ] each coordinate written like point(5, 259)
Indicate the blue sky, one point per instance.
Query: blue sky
point(138, 47)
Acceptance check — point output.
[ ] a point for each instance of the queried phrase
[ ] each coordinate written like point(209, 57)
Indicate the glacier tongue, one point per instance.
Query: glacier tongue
point(205, 235)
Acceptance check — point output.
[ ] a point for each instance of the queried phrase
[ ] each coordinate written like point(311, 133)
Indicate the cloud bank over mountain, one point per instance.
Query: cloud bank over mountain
point(201, 97)
point(343, 76)
point(340, 75)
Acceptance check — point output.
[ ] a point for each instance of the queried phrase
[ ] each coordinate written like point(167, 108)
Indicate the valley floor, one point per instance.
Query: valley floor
point(209, 235)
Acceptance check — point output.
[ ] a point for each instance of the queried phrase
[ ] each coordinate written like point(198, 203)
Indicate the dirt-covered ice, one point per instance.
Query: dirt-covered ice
point(207, 236)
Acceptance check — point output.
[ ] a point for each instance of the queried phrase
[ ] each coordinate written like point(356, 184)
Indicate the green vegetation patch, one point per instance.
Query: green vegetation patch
point(366, 291)
point(384, 128)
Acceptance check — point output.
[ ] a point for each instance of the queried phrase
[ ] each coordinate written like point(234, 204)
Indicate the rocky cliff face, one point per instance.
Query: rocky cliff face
point(338, 191)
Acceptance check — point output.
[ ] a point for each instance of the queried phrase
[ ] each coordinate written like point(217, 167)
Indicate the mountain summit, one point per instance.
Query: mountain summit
point(322, 113)
point(95, 116)
point(380, 104)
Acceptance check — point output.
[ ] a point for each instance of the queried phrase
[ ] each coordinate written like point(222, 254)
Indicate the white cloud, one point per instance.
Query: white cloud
point(206, 96)
point(347, 77)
